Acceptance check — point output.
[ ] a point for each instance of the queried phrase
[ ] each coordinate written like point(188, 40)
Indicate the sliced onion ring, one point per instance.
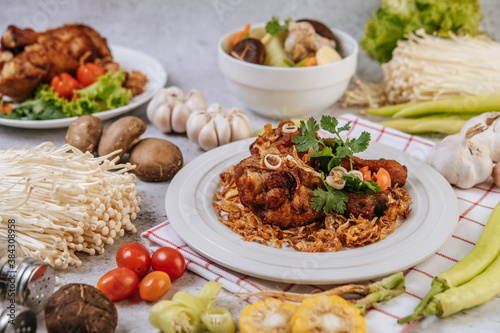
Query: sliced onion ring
point(335, 179)
point(273, 157)
point(333, 182)
point(357, 173)
point(288, 128)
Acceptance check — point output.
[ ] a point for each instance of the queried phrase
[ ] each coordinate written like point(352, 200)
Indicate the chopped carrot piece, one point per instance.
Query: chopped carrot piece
point(311, 61)
point(239, 36)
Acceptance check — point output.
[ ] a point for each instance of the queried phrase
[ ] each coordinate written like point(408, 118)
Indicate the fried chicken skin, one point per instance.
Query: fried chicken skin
point(38, 56)
point(280, 197)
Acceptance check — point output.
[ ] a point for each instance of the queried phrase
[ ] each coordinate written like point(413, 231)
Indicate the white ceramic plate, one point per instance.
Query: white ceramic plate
point(129, 60)
point(431, 222)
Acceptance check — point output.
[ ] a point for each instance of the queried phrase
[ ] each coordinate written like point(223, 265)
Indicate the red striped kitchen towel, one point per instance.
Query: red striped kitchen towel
point(475, 206)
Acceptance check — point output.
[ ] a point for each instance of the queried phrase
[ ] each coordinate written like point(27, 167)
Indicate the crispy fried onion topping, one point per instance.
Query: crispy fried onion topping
point(329, 235)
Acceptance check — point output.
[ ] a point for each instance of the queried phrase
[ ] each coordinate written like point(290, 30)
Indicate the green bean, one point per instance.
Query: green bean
point(473, 265)
point(388, 111)
point(438, 124)
point(459, 104)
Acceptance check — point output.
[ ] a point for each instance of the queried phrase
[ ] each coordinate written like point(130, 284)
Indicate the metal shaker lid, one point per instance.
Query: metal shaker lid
point(35, 282)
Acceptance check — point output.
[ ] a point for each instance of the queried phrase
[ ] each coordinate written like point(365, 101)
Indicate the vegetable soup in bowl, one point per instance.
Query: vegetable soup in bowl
point(279, 78)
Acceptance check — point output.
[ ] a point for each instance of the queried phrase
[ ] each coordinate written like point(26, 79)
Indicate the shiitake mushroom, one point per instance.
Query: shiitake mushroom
point(322, 30)
point(250, 50)
point(80, 308)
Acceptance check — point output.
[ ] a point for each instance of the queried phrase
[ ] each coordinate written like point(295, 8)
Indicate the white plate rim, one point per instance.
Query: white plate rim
point(127, 58)
point(432, 221)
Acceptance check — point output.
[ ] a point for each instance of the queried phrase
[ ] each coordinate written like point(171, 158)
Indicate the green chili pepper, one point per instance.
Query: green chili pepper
point(476, 274)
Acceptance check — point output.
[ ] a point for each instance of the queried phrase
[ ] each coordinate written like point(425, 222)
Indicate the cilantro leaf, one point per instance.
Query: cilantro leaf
point(329, 200)
point(354, 185)
point(325, 152)
point(361, 143)
point(308, 138)
point(344, 128)
point(274, 27)
point(329, 123)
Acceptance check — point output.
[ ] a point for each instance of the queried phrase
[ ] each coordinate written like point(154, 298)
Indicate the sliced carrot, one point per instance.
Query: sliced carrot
point(367, 174)
point(311, 61)
point(383, 179)
point(239, 36)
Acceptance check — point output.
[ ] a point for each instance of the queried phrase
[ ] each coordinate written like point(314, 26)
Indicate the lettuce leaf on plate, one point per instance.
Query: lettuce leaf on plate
point(105, 94)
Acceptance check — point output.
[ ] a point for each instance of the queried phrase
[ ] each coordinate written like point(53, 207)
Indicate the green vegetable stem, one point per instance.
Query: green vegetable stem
point(437, 123)
point(470, 282)
point(459, 104)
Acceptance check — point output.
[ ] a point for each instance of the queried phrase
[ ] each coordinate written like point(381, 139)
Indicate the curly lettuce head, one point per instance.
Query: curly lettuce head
point(395, 18)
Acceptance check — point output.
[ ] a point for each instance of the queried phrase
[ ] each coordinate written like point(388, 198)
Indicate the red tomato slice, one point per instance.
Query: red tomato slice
point(134, 256)
point(383, 179)
point(367, 174)
point(119, 283)
point(170, 261)
point(154, 286)
point(88, 73)
point(64, 84)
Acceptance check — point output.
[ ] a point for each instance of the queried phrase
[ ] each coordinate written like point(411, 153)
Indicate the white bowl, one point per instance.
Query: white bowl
point(281, 92)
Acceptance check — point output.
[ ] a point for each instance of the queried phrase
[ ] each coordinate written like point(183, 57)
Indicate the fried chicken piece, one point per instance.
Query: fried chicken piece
point(369, 206)
point(40, 56)
point(279, 197)
point(398, 172)
point(135, 81)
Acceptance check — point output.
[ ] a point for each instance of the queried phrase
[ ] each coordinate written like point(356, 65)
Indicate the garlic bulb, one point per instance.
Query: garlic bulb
point(214, 127)
point(463, 159)
point(490, 136)
point(170, 108)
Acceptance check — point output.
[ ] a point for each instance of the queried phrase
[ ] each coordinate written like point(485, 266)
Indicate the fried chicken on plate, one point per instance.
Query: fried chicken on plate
point(281, 194)
point(28, 58)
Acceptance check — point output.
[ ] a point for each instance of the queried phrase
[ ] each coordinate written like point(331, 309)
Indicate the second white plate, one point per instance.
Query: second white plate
point(128, 59)
point(431, 222)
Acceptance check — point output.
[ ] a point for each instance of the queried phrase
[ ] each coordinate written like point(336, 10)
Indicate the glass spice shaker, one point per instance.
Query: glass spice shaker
point(24, 280)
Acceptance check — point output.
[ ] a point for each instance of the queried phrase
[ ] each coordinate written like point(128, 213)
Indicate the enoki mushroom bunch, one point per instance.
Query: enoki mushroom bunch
point(426, 67)
point(62, 201)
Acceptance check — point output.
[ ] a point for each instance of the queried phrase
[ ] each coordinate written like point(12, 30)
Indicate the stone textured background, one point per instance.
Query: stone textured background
point(183, 36)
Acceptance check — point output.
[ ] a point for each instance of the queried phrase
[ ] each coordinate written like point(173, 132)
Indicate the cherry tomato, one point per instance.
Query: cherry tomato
point(383, 179)
point(119, 283)
point(88, 73)
point(134, 256)
point(64, 84)
point(154, 286)
point(170, 261)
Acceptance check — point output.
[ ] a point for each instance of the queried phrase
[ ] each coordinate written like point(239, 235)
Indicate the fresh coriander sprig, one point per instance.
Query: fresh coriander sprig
point(333, 150)
point(274, 27)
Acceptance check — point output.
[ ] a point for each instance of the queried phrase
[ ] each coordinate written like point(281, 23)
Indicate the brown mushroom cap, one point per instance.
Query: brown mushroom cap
point(120, 135)
point(156, 160)
point(80, 308)
point(84, 133)
point(249, 50)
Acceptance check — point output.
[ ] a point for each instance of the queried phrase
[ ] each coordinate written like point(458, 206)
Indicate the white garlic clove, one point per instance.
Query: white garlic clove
point(180, 115)
point(161, 118)
point(215, 108)
point(195, 100)
point(174, 93)
point(207, 138)
point(194, 124)
point(223, 128)
point(241, 126)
